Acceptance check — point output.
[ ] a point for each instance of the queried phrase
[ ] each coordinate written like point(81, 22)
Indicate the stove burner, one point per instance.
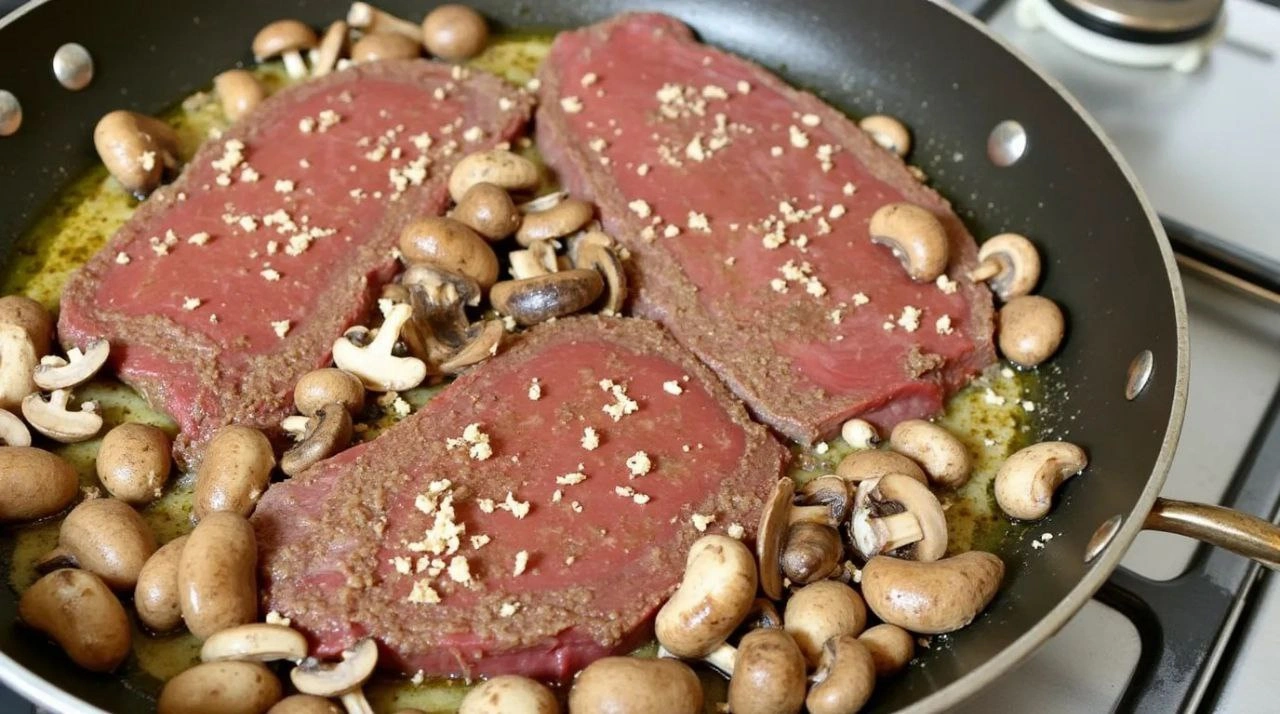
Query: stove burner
point(1140, 33)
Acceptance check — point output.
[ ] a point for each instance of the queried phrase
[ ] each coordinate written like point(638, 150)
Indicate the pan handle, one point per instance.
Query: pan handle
point(1237, 532)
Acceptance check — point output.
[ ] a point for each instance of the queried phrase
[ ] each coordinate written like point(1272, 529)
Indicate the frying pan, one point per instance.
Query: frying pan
point(1107, 261)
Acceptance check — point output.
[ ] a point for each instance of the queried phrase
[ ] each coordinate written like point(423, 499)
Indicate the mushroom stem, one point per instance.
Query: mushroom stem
point(355, 703)
point(986, 269)
point(370, 19)
point(294, 65)
point(722, 659)
point(326, 56)
point(899, 529)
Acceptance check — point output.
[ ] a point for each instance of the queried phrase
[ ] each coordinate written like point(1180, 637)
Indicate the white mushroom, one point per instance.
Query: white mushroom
point(1010, 265)
point(1026, 482)
point(944, 457)
point(374, 364)
point(340, 679)
point(859, 433)
point(54, 372)
point(54, 420)
point(888, 132)
point(897, 511)
point(257, 642)
point(13, 432)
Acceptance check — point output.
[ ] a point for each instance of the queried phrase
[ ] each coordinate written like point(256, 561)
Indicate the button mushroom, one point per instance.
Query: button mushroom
point(220, 688)
point(328, 432)
point(482, 342)
point(534, 300)
point(53, 419)
point(771, 536)
point(374, 363)
point(13, 431)
point(79, 367)
point(155, 597)
point(508, 694)
point(34, 483)
point(817, 612)
point(845, 679)
point(304, 704)
point(891, 648)
point(563, 216)
point(330, 49)
point(339, 679)
point(944, 458)
point(452, 246)
point(106, 537)
point(384, 45)
point(496, 166)
point(1031, 329)
point(320, 387)
point(916, 238)
point(864, 465)
point(1009, 264)
point(605, 260)
point(822, 500)
point(77, 610)
point(888, 132)
point(931, 598)
point(133, 462)
point(217, 574)
point(454, 32)
point(286, 39)
point(488, 210)
point(714, 596)
point(1026, 482)
point(813, 551)
point(239, 92)
point(234, 472)
point(897, 514)
point(366, 17)
point(769, 675)
point(136, 149)
point(255, 642)
point(859, 433)
point(636, 686)
point(26, 330)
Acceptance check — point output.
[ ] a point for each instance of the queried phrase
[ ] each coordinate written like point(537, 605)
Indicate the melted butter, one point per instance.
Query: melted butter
point(93, 207)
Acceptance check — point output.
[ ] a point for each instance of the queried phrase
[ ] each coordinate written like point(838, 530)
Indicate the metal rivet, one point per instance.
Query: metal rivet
point(10, 113)
point(73, 66)
point(1007, 143)
point(1102, 537)
point(1140, 371)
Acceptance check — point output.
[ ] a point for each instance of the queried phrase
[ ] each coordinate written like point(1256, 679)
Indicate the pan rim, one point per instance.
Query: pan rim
point(45, 694)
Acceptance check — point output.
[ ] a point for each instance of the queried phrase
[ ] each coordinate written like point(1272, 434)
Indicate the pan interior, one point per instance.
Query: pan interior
point(1103, 260)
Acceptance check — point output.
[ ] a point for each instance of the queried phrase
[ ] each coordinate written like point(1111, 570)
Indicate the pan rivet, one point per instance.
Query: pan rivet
point(1101, 538)
point(73, 66)
point(1007, 143)
point(1140, 370)
point(10, 113)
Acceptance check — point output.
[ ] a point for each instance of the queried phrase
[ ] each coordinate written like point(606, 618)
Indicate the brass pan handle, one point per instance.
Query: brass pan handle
point(1238, 532)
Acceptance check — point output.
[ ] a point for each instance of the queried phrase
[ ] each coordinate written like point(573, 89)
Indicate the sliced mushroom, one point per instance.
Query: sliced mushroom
point(769, 675)
point(813, 551)
point(870, 464)
point(366, 17)
point(54, 420)
point(287, 39)
point(534, 300)
point(817, 612)
point(510, 694)
point(603, 258)
point(330, 49)
point(488, 210)
point(452, 246)
point(1026, 482)
point(888, 132)
point(537, 259)
point(1031, 329)
point(26, 330)
point(374, 364)
point(454, 32)
point(845, 679)
point(327, 433)
point(255, 642)
point(339, 679)
point(384, 45)
point(771, 536)
point(825, 500)
point(79, 367)
point(1010, 264)
point(636, 686)
point(548, 218)
point(483, 341)
point(931, 598)
point(439, 298)
point(239, 92)
point(496, 166)
point(326, 386)
point(859, 433)
point(714, 596)
point(13, 432)
point(944, 458)
point(136, 149)
point(891, 648)
point(899, 515)
point(916, 238)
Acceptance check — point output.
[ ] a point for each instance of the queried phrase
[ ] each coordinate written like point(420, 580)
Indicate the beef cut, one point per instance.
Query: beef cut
point(745, 204)
point(528, 519)
point(227, 285)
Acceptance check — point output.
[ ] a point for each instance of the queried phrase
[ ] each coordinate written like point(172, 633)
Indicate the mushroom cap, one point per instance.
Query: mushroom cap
point(451, 245)
point(830, 491)
point(384, 45)
point(135, 148)
point(888, 132)
point(499, 167)
point(1031, 330)
point(54, 420)
point(891, 494)
point(845, 679)
point(820, 611)
point(330, 48)
point(874, 463)
point(327, 385)
point(31, 317)
point(636, 686)
point(283, 36)
point(891, 647)
point(812, 552)
point(328, 433)
point(305, 704)
point(560, 219)
point(1027, 480)
point(454, 32)
point(57, 373)
point(239, 92)
point(488, 210)
point(257, 642)
point(931, 598)
point(915, 236)
point(715, 594)
point(859, 433)
point(771, 536)
point(509, 693)
point(538, 299)
point(332, 679)
point(769, 674)
point(1016, 261)
point(944, 458)
point(220, 687)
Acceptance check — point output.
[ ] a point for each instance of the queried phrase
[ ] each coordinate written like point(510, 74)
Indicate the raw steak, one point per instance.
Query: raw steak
point(229, 284)
point(341, 543)
point(745, 203)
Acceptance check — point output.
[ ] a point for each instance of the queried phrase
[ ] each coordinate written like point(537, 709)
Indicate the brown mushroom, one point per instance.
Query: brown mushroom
point(845, 678)
point(384, 45)
point(1010, 265)
point(822, 610)
point(287, 39)
point(34, 483)
point(452, 246)
point(26, 331)
point(239, 92)
point(305, 704)
point(563, 216)
point(943, 457)
point(217, 574)
point(367, 18)
point(482, 342)
point(636, 686)
point(771, 536)
point(824, 500)
point(916, 238)
point(106, 537)
point(717, 591)
point(891, 648)
point(234, 472)
point(342, 679)
point(537, 259)
point(605, 260)
point(534, 300)
point(133, 462)
point(768, 676)
point(439, 299)
point(155, 597)
point(77, 610)
point(488, 210)
point(499, 167)
point(813, 551)
point(330, 49)
point(328, 432)
point(874, 463)
point(509, 694)
point(1026, 481)
point(931, 598)
point(897, 514)
point(324, 386)
point(13, 431)
point(220, 688)
point(136, 149)
point(454, 32)
point(888, 132)
point(1031, 329)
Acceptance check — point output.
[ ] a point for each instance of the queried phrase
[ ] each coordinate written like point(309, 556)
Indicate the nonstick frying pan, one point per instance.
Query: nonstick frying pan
point(1107, 260)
